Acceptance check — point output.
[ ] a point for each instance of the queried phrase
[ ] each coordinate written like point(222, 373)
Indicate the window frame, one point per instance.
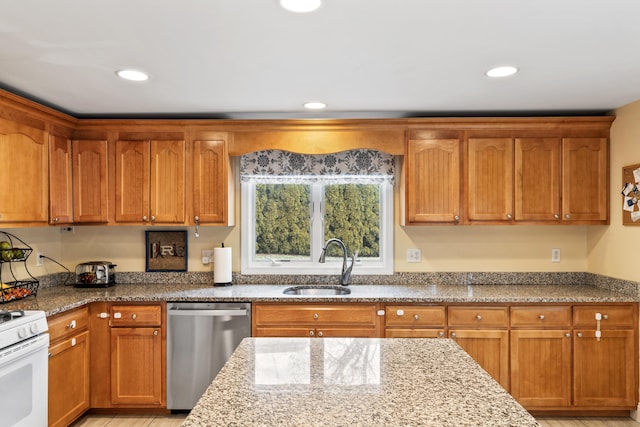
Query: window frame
point(380, 266)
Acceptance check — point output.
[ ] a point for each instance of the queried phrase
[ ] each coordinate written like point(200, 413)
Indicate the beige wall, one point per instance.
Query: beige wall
point(614, 250)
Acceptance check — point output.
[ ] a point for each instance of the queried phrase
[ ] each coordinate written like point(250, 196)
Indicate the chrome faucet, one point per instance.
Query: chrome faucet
point(345, 277)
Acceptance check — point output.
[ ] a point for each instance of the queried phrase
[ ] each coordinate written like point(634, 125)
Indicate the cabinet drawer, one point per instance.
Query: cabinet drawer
point(478, 317)
point(136, 315)
point(414, 333)
point(66, 324)
point(291, 315)
point(613, 316)
point(414, 316)
point(541, 316)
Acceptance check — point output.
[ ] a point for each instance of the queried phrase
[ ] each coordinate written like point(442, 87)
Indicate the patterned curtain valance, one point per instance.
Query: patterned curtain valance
point(275, 163)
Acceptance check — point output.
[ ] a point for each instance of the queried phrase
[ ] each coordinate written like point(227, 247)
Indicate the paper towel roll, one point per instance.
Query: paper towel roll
point(222, 266)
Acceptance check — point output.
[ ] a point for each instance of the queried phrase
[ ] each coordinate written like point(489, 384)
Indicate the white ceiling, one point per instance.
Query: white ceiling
point(364, 58)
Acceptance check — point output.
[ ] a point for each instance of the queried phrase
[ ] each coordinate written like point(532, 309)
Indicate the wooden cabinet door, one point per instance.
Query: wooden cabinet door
point(24, 174)
point(167, 182)
point(210, 182)
point(490, 179)
point(60, 180)
point(541, 368)
point(433, 181)
point(136, 367)
point(537, 179)
point(605, 370)
point(132, 181)
point(90, 184)
point(489, 348)
point(585, 177)
point(68, 379)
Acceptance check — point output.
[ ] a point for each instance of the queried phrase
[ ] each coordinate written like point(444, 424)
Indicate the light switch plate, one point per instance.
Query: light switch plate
point(414, 255)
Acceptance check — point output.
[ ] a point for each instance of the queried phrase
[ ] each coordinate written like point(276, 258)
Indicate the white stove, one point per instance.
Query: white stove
point(24, 343)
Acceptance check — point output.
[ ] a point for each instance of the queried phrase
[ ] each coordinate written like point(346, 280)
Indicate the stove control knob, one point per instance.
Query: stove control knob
point(22, 333)
point(34, 328)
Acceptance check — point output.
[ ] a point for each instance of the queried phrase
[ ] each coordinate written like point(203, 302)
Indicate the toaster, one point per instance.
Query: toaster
point(95, 274)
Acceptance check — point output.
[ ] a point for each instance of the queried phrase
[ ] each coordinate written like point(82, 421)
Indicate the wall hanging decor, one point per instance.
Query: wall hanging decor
point(166, 250)
point(631, 195)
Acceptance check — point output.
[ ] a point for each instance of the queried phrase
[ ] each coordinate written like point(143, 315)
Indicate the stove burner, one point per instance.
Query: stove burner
point(6, 315)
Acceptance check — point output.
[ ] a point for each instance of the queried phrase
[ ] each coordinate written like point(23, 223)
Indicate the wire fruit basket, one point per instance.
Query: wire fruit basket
point(13, 256)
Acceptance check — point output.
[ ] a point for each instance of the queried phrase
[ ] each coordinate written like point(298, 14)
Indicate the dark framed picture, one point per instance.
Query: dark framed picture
point(166, 250)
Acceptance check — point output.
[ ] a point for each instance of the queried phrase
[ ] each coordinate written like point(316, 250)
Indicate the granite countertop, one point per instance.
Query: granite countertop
point(57, 299)
point(354, 382)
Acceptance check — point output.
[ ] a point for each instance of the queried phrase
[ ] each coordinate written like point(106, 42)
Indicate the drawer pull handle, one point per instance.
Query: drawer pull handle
point(399, 312)
point(541, 317)
point(117, 315)
point(415, 316)
point(478, 318)
point(315, 315)
point(72, 325)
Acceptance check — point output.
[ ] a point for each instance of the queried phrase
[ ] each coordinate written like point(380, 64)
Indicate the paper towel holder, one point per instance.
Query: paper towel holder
point(222, 274)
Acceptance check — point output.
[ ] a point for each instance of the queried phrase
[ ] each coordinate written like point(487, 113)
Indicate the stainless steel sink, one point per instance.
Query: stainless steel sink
point(317, 290)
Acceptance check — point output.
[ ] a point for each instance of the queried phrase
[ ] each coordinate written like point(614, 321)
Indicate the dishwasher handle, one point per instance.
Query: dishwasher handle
point(210, 313)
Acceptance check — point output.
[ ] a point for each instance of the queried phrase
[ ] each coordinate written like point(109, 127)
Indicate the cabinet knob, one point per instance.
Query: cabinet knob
point(605, 316)
point(568, 216)
point(568, 335)
point(311, 333)
point(320, 333)
point(315, 315)
point(453, 335)
point(72, 325)
point(153, 218)
point(556, 216)
point(144, 217)
point(155, 333)
point(415, 316)
point(441, 334)
point(55, 219)
point(579, 334)
point(509, 216)
point(456, 218)
point(541, 317)
point(134, 316)
point(478, 318)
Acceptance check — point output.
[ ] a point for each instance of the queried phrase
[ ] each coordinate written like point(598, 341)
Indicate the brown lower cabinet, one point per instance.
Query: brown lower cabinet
point(316, 320)
point(546, 355)
point(68, 366)
point(129, 355)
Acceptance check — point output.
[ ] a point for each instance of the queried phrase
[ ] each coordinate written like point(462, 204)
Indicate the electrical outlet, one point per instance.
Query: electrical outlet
point(555, 255)
point(67, 229)
point(414, 255)
point(207, 256)
point(39, 259)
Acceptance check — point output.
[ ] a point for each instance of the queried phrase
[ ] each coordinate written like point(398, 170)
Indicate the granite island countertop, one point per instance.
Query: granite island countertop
point(354, 382)
point(57, 299)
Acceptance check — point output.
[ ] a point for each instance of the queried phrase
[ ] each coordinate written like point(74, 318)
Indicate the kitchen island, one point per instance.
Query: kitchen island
point(354, 382)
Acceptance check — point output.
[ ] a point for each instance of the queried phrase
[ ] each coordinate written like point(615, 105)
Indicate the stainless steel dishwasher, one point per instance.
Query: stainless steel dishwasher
point(200, 339)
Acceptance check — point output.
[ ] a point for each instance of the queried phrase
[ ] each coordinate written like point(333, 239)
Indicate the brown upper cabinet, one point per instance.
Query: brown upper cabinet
point(432, 189)
point(150, 181)
point(90, 185)
point(60, 180)
point(494, 177)
point(212, 191)
point(24, 167)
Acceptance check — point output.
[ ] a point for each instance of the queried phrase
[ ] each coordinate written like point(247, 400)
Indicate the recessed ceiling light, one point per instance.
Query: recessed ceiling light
point(502, 71)
point(133, 75)
point(315, 105)
point(300, 6)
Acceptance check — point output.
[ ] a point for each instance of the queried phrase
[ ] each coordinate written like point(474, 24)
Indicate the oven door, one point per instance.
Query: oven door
point(24, 379)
